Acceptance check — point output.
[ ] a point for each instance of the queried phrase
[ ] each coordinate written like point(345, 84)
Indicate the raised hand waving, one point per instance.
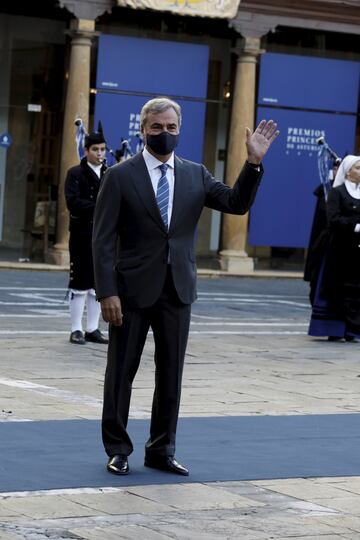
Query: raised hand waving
point(259, 142)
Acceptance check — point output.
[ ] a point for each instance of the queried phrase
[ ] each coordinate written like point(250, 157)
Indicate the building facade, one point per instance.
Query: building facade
point(49, 62)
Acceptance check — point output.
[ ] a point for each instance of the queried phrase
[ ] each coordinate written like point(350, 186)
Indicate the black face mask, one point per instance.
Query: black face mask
point(163, 143)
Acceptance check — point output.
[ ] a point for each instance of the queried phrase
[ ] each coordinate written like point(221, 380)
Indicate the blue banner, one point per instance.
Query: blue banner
point(309, 82)
point(283, 210)
point(175, 69)
point(124, 72)
point(120, 117)
point(302, 94)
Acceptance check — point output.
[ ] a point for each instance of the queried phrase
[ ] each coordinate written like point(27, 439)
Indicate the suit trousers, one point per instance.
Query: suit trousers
point(169, 320)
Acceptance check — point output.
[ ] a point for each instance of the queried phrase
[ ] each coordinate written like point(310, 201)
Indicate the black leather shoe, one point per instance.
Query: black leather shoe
point(350, 338)
point(334, 338)
point(77, 337)
point(96, 337)
point(165, 463)
point(118, 464)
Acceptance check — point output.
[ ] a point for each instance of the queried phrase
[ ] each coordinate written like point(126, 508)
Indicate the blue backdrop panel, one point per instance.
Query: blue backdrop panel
point(283, 210)
point(123, 64)
point(307, 82)
point(120, 113)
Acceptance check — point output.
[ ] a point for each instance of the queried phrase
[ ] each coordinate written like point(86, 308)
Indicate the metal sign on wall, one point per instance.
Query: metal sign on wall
point(121, 93)
point(198, 8)
point(5, 140)
point(309, 98)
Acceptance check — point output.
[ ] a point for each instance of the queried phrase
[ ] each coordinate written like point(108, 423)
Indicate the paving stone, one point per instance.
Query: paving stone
point(127, 532)
point(350, 522)
point(348, 505)
point(51, 507)
point(6, 512)
point(120, 503)
point(348, 486)
point(10, 536)
point(194, 496)
point(312, 537)
point(308, 491)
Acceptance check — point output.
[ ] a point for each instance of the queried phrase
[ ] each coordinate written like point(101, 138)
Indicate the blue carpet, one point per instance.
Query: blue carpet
point(69, 453)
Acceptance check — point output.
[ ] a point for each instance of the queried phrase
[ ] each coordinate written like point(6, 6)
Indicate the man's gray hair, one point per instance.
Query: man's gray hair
point(159, 105)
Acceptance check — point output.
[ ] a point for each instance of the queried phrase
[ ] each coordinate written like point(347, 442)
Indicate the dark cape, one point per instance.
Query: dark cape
point(317, 243)
point(81, 189)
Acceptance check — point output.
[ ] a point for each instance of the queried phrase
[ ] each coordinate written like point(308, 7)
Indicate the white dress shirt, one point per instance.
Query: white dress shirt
point(95, 168)
point(152, 165)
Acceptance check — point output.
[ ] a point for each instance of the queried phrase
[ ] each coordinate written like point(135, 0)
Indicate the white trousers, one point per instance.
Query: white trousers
point(77, 302)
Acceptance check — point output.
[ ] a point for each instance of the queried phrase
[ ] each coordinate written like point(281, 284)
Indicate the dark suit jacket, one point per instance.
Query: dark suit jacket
point(81, 189)
point(130, 242)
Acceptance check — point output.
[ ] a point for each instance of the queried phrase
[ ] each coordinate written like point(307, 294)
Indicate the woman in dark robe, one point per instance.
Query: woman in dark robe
point(319, 232)
point(336, 308)
point(317, 242)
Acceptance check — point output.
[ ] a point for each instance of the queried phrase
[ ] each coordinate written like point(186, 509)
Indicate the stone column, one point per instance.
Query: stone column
point(5, 60)
point(76, 105)
point(233, 257)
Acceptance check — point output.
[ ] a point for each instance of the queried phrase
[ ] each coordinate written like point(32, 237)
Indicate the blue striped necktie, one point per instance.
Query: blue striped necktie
point(162, 194)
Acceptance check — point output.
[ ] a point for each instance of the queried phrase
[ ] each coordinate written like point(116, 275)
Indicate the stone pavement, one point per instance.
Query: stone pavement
point(26, 264)
point(46, 378)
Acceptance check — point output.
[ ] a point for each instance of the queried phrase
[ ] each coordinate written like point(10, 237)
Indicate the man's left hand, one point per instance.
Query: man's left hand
point(258, 143)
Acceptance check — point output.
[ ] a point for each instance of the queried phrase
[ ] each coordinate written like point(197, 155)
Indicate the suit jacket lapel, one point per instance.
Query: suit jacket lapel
point(143, 186)
point(180, 189)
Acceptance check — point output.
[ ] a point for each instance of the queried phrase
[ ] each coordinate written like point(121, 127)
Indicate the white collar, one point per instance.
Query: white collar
point(152, 162)
point(353, 189)
point(95, 168)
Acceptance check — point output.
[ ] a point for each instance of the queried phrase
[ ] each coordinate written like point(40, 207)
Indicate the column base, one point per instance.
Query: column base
point(59, 255)
point(236, 262)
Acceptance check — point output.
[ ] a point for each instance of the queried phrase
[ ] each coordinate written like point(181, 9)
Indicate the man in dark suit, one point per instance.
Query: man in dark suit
point(143, 243)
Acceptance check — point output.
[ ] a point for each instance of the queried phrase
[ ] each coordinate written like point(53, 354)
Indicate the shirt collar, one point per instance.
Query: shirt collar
point(153, 163)
point(95, 168)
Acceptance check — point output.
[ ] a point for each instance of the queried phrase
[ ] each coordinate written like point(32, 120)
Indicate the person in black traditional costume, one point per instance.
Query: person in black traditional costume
point(81, 188)
point(336, 309)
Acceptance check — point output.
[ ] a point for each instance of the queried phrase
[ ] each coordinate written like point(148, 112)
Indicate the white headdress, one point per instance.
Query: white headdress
point(344, 168)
